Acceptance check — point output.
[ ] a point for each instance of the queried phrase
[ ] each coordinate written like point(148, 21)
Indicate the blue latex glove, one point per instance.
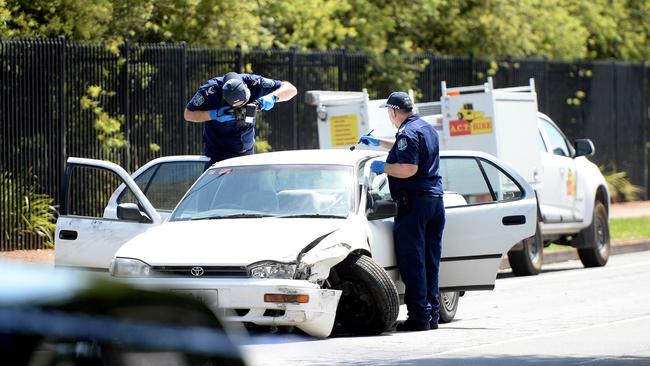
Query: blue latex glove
point(369, 139)
point(267, 102)
point(377, 167)
point(220, 115)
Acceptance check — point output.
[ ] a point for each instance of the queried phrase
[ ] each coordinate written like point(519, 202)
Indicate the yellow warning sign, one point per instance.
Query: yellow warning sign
point(344, 130)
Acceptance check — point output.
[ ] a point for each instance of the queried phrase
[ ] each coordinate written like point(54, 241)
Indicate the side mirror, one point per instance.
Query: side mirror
point(382, 209)
point(131, 212)
point(584, 147)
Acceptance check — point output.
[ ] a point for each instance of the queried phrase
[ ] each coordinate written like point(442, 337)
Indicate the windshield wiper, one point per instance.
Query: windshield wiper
point(316, 215)
point(234, 216)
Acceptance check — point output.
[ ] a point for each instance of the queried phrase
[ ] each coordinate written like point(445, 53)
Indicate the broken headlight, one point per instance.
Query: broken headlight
point(270, 269)
point(129, 267)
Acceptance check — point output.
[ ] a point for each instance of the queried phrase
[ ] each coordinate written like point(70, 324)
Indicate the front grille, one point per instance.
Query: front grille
point(208, 271)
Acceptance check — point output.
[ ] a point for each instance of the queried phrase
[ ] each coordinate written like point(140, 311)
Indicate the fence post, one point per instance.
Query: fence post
point(340, 60)
point(239, 61)
point(126, 157)
point(183, 96)
point(294, 104)
point(646, 118)
point(62, 111)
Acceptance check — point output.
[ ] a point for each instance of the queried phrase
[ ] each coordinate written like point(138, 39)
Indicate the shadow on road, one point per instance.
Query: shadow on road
point(544, 270)
point(519, 360)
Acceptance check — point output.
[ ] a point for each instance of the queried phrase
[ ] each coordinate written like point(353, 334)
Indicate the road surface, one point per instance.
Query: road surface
point(568, 315)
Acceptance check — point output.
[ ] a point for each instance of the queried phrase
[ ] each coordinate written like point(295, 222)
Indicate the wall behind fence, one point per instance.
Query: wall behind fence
point(46, 85)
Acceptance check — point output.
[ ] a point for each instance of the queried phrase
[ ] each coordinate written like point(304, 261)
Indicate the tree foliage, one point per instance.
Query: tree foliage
point(558, 29)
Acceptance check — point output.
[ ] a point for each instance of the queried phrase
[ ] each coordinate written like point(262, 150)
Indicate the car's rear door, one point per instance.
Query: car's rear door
point(89, 231)
point(489, 208)
point(497, 210)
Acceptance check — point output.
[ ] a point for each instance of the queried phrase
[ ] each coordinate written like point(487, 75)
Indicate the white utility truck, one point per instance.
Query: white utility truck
point(573, 199)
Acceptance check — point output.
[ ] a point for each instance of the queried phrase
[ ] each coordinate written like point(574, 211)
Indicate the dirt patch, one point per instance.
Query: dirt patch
point(34, 256)
point(630, 209)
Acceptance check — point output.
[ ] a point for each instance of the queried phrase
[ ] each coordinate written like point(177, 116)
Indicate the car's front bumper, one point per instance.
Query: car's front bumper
point(242, 300)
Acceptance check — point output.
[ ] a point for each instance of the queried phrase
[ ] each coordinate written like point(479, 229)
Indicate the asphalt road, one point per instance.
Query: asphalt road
point(567, 315)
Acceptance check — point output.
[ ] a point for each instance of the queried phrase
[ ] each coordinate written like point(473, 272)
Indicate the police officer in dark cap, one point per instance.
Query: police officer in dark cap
point(415, 184)
point(214, 103)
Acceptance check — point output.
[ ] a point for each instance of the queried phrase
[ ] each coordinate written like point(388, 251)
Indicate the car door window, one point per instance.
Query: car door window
point(541, 143)
point(477, 181)
point(503, 187)
point(557, 143)
point(165, 183)
point(464, 176)
point(89, 190)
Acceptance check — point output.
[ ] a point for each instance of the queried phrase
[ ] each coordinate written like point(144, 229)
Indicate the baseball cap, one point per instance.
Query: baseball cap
point(234, 89)
point(398, 100)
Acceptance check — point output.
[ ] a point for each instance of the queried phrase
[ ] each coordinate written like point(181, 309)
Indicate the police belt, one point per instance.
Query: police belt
point(422, 194)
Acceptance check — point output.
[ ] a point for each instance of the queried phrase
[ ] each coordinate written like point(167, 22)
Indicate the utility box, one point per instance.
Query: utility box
point(502, 122)
point(343, 116)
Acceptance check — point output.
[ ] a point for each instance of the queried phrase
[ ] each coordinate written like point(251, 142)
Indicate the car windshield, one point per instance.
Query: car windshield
point(269, 191)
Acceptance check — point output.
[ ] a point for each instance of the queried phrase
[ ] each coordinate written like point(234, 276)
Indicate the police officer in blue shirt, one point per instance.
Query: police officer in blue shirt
point(214, 103)
point(415, 184)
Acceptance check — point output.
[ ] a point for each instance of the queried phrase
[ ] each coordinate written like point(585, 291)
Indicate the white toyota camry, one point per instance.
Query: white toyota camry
point(295, 238)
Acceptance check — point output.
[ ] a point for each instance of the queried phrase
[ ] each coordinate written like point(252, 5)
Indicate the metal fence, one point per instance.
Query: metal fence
point(46, 87)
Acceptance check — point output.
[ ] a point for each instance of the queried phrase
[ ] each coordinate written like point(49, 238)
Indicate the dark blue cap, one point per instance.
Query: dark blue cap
point(398, 100)
point(234, 89)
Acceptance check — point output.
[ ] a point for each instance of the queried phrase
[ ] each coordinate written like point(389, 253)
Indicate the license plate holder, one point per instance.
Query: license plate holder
point(209, 298)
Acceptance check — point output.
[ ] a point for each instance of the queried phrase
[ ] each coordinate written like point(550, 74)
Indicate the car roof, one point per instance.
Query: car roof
point(317, 156)
point(327, 156)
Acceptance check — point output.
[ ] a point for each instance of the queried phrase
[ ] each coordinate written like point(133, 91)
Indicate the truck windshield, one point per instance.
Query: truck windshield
point(269, 191)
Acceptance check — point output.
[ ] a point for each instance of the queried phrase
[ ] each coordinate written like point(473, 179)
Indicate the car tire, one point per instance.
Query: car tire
point(528, 261)
point(369, 304)
point(593, 242)
point(448, 306)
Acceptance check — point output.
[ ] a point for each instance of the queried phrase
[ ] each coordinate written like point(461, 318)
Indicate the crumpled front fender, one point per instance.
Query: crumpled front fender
point(316, 263)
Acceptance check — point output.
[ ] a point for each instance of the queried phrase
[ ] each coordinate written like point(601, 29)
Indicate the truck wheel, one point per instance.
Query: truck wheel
point(528, 261)
point(593, 242)
point(369, 304)
point(448, 306)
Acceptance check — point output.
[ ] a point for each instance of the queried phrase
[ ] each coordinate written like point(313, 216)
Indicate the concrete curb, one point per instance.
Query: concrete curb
point(619, 247)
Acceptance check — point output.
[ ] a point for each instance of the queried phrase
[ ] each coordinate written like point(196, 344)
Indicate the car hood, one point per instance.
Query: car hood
point(228, 241)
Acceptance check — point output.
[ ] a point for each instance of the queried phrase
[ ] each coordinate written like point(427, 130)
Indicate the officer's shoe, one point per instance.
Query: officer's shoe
point(412, 326)
point(433, 325)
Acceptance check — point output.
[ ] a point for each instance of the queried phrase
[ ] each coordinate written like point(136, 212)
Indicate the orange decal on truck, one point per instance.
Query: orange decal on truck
point(470, 122)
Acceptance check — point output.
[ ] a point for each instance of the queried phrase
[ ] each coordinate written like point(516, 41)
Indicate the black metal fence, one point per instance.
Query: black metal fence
point(53, 92)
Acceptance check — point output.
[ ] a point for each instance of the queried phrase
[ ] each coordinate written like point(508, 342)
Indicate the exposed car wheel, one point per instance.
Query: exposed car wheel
point(593, 242)
point(448, 306)
point(528, 261)
point(369, 304)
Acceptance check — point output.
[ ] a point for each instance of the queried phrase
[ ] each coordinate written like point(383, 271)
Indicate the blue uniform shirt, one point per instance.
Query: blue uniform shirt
point(416, 142)
point(226, 140)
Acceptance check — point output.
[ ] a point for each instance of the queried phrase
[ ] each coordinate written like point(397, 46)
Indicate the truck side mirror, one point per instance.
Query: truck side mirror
point(584, 147)
point(131, 212)
point(382, 209)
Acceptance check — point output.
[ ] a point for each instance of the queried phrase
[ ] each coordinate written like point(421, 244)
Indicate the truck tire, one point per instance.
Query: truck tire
point(593, 242)
point(448, 306)
point(369, 304)
point(528, 261)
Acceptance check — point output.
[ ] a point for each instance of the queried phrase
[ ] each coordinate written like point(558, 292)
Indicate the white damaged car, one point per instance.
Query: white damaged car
point(295, 238)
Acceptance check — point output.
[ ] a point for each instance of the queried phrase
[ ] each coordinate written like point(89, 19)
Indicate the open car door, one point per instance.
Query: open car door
point(489, 209)
point(92, 226)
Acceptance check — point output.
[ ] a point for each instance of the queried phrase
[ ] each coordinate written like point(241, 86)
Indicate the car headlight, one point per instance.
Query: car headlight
point(269, 269)
point(129, 267)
